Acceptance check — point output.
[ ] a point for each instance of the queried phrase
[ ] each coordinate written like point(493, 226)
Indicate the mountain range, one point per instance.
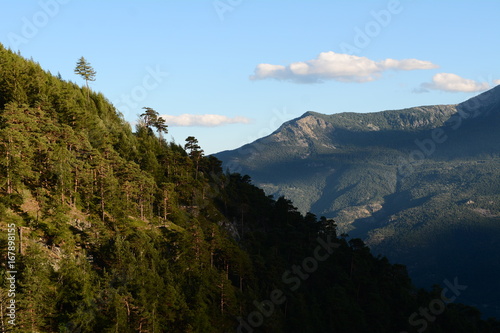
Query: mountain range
point(106, 229)
point(419, 185)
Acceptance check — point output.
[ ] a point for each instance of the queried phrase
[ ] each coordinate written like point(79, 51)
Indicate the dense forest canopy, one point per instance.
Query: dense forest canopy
point(118, 230)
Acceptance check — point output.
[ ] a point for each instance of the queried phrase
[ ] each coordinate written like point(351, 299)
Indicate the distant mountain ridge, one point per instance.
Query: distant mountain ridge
point(318, 135)
point(394, 178)
point(110, 230)
point(324, 132)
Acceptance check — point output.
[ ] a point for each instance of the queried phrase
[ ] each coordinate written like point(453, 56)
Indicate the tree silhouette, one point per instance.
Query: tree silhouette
point(195, 151)
point(152, 118)
point(86, 71)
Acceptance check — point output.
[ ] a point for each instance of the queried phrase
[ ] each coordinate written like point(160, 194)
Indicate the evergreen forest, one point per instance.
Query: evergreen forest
point(116, 229)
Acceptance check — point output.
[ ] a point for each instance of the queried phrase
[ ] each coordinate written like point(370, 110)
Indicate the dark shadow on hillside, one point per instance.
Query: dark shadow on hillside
point(393, 203)
point(325, 201)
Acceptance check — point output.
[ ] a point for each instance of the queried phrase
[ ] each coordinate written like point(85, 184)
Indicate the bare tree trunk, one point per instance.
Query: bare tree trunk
point(1, 315)
point(88, 90)
point(75, 187)
point(9, 180)
point(101, 188)
point(21, 250)
point(222, 297)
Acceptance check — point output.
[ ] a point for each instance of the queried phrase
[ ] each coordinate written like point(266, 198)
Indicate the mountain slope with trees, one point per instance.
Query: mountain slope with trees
point(117, 230)
point(419, 185)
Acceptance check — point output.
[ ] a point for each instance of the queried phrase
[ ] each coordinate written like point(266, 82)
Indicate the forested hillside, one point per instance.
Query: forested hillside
point(418, 185)
point(106, 229)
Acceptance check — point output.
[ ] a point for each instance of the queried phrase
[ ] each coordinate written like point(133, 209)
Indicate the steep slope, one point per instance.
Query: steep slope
point(407, 181)
point(109, 230)
point(300, 148)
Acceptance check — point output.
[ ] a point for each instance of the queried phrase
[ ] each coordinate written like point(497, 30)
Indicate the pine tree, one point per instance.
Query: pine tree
point(90, 196)
point(161, 126)
point(195, 151)
point(86, 71)
point(150, 117)
point(37, 304)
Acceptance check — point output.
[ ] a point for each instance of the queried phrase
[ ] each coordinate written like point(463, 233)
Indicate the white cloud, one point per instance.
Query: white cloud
point(408, 64)
point(336, 66)
point(453, 83)
point(496, 82)
point(208, 120)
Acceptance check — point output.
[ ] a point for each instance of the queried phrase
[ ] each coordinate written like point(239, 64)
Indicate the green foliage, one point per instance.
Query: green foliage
point(151, 118)
point(84, 69)
point(420, 185)
point(125, 232)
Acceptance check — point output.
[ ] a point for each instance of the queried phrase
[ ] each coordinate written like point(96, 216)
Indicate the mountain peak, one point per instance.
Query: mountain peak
point(406, 180)
point(480, 105)
point(310, 113)
point(416, 118)
point(300, 131)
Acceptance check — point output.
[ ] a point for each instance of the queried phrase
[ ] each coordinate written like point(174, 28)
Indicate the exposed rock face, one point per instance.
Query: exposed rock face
point(303, 130)
point(347, 166)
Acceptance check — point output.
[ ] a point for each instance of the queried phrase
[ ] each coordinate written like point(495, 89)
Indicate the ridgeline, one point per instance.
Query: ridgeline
point(106, 229)
point(419, 185)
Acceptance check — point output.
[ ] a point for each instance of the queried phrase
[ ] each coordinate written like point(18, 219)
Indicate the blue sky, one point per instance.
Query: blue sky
point(231, 71)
